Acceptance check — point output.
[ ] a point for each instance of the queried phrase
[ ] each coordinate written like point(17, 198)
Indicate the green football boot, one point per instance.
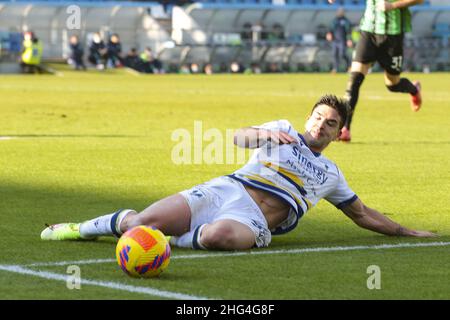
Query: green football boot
point(62, 231)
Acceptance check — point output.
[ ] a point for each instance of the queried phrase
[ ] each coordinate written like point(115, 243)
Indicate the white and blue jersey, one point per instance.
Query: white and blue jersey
point(296, 174)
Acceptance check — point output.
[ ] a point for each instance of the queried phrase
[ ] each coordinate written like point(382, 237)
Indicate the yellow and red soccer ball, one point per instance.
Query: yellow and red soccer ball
point(143, 252)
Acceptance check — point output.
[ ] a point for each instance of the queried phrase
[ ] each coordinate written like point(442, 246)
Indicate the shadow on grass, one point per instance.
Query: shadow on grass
point(60, 136)
point(25, 209)
point(386, 143)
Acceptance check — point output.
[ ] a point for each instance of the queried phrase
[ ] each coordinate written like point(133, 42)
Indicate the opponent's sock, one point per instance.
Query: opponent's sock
point(190, 239)
point(405, 86)
point(352, 93)
point(106, 225)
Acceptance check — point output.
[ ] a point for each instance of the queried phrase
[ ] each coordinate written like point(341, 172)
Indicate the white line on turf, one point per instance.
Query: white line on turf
point(105, 284)
point(257, 252)
point(132, 72)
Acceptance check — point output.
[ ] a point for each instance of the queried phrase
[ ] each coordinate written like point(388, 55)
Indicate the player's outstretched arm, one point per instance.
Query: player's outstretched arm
point(255, 138)
point(373, 220)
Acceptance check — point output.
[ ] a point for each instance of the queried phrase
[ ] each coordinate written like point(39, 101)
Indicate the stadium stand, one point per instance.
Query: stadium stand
point(302, 46)
point(135, 22)
point(278, 35)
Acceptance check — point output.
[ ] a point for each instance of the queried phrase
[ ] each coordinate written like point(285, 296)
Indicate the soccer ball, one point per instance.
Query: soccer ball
point(143, 252)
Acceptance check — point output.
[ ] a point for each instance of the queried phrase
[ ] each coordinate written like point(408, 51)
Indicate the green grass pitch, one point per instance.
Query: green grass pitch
point(85, 144)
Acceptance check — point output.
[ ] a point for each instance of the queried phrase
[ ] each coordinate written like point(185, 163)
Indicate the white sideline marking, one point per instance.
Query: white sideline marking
point(262, 252)
point(132, 72)
point(6, 138)
point(66, 263)
point(105, 284)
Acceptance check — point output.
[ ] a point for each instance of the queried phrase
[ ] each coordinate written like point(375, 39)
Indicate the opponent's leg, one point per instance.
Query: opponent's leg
point(396, 84)
point(358, 72)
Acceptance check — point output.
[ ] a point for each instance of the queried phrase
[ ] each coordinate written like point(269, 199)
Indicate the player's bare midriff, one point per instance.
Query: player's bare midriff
point(275, 210)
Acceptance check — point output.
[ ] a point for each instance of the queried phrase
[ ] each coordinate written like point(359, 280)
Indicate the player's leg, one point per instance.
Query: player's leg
point(227, 234)
point(365, 55)
point(342, 56)
point(224, 217)
point(335, 54)
point(105, 225)
point(391, 59)
point(346, 57)
point(171, 215)
point(358, 72)
point(395, 83)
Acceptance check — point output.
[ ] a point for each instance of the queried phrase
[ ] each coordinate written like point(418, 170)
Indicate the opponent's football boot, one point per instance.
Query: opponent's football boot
point(416, 100)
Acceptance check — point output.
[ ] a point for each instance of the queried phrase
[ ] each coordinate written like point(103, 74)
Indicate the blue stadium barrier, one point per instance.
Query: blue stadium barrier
point(441, 30)
point(301, 4)
point(227, 2)
point(15, 42)
point(292, 2)
point(90, 3)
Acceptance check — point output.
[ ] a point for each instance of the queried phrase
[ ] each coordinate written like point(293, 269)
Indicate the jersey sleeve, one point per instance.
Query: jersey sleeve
point(342, 195)
point(280, 125)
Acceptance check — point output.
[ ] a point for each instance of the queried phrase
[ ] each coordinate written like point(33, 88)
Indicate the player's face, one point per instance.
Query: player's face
point(322, 126)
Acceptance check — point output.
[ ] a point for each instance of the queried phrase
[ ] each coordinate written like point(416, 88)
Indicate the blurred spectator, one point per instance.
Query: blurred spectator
point(355, 35)
point(258, 32)
point(194, 68)
point(77, 52)
point(208, 69)
point(31, 54)
point(150, 63)
point(246, 33)
point(223, 67)
point(133, 61)
point(184, 69)
point(236, 67)
point(255, 68)
point(339, 35)
point(114, 51)
point(27, 39)
point(169, 4)
point(273, 68)
point(322, 31)
point(98, 53)
point(277, 33)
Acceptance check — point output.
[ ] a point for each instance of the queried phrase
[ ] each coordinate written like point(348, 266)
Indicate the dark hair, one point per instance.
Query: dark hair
point(340, 105)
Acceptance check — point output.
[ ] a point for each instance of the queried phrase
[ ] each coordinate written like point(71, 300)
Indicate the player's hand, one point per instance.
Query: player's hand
point(423, 234)
point(275, 137)
point(331, 1)
point(385, 6)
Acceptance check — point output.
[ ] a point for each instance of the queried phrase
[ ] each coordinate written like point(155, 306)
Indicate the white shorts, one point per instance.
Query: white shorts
point(226, 198)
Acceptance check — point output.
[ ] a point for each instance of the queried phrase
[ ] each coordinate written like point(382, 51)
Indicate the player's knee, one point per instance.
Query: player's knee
point(219, 236)
point(394, 86)
point(391, 88)
point(133, 219)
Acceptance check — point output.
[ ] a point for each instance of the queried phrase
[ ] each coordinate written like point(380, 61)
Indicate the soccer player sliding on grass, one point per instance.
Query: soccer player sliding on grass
point(285, 177)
